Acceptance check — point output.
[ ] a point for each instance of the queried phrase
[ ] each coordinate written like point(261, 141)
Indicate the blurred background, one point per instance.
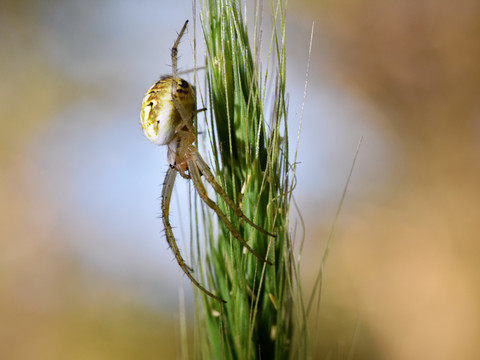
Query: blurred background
point(84, 270)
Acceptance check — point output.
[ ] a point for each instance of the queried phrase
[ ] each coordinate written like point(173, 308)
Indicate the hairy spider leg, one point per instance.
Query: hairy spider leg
point(166, 196)
point(175, 51)
point(187, 118)
point(195, 173)
point(205, 170)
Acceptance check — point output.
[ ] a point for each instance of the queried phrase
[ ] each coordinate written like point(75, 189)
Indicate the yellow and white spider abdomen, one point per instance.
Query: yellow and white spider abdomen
point(159, 115)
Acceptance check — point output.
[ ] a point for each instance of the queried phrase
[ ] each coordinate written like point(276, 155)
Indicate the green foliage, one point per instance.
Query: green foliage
point(250, 156)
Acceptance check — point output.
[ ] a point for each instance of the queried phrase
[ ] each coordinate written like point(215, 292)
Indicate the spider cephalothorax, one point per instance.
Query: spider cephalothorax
point(167, 115)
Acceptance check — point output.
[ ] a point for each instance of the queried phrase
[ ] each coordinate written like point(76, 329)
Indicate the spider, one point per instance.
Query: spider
point(167, 115)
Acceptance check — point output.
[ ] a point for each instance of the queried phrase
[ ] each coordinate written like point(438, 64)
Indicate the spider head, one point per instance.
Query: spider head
point(159, 115)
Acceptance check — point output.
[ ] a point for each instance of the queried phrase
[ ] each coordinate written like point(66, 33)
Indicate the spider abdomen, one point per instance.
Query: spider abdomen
point(159, 115)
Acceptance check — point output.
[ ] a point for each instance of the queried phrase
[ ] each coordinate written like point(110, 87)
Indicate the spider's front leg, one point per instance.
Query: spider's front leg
point(205, 170)
point(166, 197)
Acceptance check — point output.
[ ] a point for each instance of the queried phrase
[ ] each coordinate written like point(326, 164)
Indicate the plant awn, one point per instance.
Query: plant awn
point(167, 115)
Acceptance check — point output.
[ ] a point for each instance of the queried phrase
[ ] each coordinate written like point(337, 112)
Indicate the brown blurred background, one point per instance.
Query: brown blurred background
point(406, 260)
point(84, 270)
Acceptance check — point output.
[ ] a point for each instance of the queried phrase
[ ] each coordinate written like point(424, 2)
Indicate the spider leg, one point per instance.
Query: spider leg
point(174, 51)
point(187, 119)
point(205, 170)
point(166, 196)
point(197, 182)
point(185, 176)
